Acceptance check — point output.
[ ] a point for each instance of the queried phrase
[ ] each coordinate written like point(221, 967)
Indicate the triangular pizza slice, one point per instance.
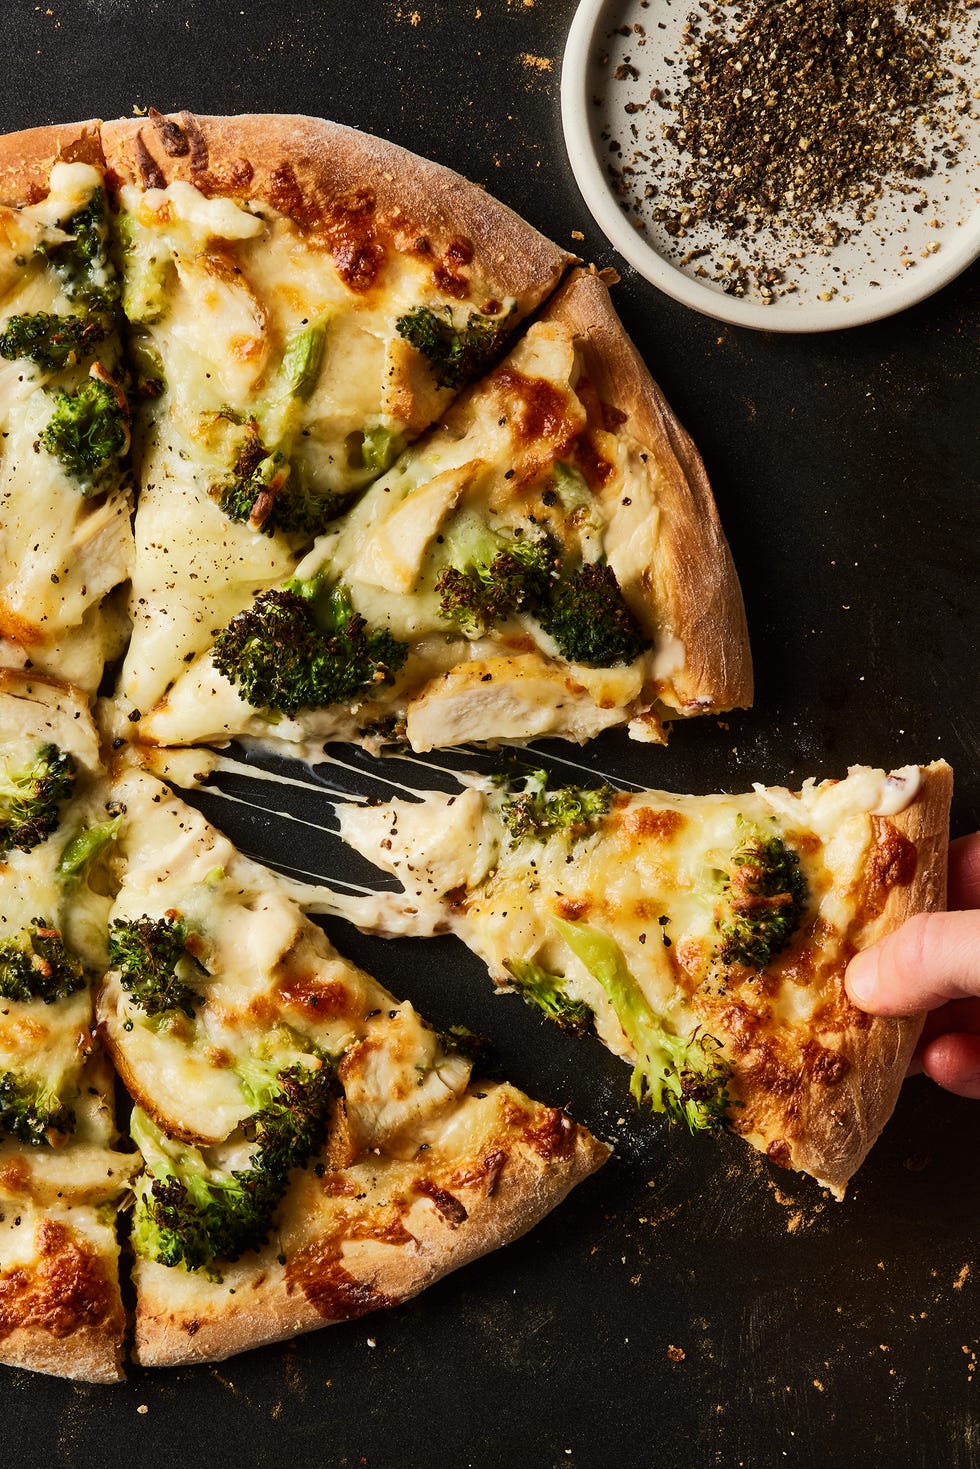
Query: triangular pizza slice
point(705, 938)
point(303, 300)
point(65, 505)
point(61, 1175)
point(313, 1149)
point(547, 561)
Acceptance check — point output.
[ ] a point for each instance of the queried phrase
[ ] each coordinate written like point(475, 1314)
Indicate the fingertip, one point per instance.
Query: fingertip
point(861, 979)
point(953, 1062)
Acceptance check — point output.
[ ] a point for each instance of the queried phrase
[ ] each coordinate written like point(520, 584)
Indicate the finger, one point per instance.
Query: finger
point(964, 872)
point(954, 1062)
point(959, 1017)
point(932, 958)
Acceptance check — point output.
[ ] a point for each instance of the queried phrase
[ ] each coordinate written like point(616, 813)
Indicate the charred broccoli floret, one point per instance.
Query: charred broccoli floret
point(301, 647)
point(154, 965)
point(30, 798)
point(269, 494)
point(36, 965)
point(193, 1215)
point(763, 900)
point(547, 992)
point(540, 812)
point(53, 342)
point(684, 1077)
point(88, 431)
point(588, 618)
point(82, 262)
point(491, 576)
point(33, 1112)
point(456, 354)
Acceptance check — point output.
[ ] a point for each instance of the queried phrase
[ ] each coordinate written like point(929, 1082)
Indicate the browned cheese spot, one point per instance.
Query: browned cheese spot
point(644, 824)
point(536, 409)
point(891, 863)
point(451, 1209)
point(68, 1290)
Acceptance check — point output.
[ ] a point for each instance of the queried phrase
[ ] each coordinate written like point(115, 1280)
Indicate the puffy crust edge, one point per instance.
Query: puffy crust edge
point(26, 158)
point(697, 581)
point(207, 1324)
point(835, 1140)
point(298, 164)
point(91, 1354)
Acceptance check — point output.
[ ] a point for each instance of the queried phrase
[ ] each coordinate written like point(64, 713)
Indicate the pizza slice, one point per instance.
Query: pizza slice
point(313, 1150)
point(65, 506)
point(303, 300)
point(705, 938)
point(547, 561)
point(61, 1175)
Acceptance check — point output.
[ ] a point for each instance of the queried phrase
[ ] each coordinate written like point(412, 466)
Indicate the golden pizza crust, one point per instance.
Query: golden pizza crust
point(836, 1120)
point(26, 158)
point(346, 1255)
point(694, 575)
point(308, 168)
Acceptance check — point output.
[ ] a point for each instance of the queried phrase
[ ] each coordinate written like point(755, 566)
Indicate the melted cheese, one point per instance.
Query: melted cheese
point(648, 875)
point(492, 460)
point(239, 286)
point(60, 553)
point(273, 988)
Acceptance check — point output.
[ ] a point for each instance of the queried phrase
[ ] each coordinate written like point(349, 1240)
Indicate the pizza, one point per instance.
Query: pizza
point(545, 561)
point(309, 1149)
point(704, 939)
point(304, 438)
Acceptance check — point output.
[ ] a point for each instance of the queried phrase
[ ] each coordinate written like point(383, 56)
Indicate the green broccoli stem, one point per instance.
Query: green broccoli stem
point(684, 1078)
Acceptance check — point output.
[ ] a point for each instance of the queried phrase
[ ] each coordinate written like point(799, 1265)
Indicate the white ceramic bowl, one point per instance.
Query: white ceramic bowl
point(858, 281)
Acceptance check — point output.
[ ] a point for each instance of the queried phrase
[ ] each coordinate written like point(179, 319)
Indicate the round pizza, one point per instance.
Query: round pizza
point(306, 439)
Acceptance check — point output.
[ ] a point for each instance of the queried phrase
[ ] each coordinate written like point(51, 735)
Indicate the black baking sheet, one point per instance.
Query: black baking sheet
point(690, 1306)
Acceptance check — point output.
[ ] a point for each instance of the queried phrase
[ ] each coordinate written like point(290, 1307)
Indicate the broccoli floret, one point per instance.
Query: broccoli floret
point(153, 963)
point(538, 987)
point(456, 354)
point(541, 813)
point(85, 846)
point(304, 648)
point(82, 262)
point(686, 1078)
point(36, 966)
point(88, 431)
point(30, 798)
point(196, 1216)
point(490, 575)
point(33, 1112)
point(267, 493)
point(586, 615)
point(763, 901)
point(53, 342)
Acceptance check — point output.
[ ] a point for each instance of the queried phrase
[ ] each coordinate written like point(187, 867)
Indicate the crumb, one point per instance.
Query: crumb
point(676, 1354)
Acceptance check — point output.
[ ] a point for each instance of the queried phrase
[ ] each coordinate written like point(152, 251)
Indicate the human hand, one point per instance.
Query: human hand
point(933, 963)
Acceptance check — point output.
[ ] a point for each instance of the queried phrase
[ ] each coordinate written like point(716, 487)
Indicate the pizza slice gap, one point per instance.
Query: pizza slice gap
point(704, 938)
point(303, 300)
point(313, 1149)
point(65, 503)
point(547, 561)
point(62, 1171)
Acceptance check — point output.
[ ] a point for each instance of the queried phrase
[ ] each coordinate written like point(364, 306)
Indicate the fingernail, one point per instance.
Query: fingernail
point(862, 976)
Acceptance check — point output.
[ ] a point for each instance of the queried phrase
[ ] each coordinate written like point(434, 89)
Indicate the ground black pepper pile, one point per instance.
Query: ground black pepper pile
point(795, 116)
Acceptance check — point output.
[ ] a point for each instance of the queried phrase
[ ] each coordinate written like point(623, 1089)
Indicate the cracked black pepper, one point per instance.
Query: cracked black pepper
point(795, 116)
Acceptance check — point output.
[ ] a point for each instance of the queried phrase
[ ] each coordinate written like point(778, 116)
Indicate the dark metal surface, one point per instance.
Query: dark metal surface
point(690, 1306)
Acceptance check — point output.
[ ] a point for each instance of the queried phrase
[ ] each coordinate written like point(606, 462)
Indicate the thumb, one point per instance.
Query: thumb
point(932, 958)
